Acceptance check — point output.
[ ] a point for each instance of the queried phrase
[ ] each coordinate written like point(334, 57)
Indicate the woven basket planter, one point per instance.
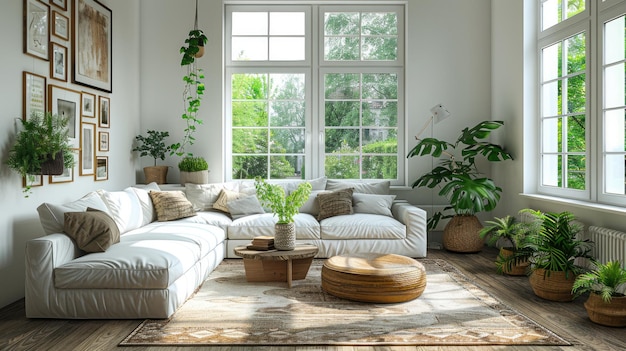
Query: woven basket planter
point(517, 268)
point(611, 314)
point(461, 234)
point(198, 177)
point(553, 287)
point(285, 236)
point(157, 174)
point(53, 166)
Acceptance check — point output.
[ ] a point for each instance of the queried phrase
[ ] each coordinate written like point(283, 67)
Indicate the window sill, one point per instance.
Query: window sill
point(578, 203)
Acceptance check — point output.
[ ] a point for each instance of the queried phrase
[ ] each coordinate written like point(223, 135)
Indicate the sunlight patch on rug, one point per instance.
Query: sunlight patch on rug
point(227, 310)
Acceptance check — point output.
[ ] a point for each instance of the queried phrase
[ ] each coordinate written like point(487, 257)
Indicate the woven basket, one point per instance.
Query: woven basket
point(285, 236)
point(553, 287)
point(53, 166)
point(517, 268)
point(612, 314)
point(461, 234)
point(157, 174)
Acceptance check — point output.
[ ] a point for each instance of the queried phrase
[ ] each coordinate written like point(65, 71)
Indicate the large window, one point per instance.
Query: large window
point(315, 91)
point(582, 112)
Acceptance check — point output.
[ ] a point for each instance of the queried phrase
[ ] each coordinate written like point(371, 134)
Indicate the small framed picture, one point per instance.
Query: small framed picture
point(58, 63)
point(34, 96)
point(36, 29)
point(102, 168)
point(66, 177)
point(62, 4)
point(104, 120)
point(103, 141)
point(88, 104)
point(32, 180)
point(87, 152)
point(60, 25)
point(66, 102)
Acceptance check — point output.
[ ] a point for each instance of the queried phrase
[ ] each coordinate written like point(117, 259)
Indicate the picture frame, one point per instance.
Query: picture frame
point(88, 104)
point(36, 32)
point(87, 152)
point(102, 168)
point(32, 180)
point(103, 141)
point(63, 101)
point(104, 112)
point(62, 4)
point(66, 177)
point(34, 94)
point(58, 62)
point(92, 45)
point(60, 25)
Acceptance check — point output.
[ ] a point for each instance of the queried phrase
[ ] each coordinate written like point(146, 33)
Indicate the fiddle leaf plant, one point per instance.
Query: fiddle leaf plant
point(467, 190)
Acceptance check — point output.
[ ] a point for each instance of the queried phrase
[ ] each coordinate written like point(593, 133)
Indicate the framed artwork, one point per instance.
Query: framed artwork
point(60, 25)
point(66, 102)
point(104, 119)
point(32, 180)
point(66, 177)
point(58, 63)
point(62, 4)
point(87, 154)
point(34, 96)
point(92, 44)
point(102, 168)
point(36, 29)
point(103, 141)
point(88, 104)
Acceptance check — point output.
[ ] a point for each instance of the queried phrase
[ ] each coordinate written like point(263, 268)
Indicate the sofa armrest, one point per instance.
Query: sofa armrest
point(43, 255)
point(414, 218)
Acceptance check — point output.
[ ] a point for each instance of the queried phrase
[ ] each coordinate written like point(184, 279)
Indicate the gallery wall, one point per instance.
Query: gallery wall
point(19, 221)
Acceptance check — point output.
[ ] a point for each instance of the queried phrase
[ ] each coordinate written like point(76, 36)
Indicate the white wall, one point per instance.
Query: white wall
point(19, 221)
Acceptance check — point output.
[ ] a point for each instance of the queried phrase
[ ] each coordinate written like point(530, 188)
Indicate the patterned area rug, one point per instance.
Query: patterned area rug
point(227, 310)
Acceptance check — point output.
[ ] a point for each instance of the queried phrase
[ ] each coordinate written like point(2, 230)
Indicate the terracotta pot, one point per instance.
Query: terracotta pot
point(517, 268)
point(157, 174)
point(553, 287)
point(200, 52)
point(611, 314)
point(461, 234)
point(285, 236)
point(199, 177)
point(53, 166)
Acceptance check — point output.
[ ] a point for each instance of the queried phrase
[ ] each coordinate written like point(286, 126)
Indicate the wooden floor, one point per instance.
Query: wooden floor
point(569, 320)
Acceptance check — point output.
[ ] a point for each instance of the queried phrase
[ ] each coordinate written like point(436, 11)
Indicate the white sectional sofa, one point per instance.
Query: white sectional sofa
point(157, 265)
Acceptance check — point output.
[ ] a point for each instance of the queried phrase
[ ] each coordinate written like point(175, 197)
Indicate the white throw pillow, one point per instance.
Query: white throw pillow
point(52, 216)
point(244, 206)
point(372, 204)
point(312, 206)
point(378, 188)
point(203, 196)
point(147, 207)
point(124, 207)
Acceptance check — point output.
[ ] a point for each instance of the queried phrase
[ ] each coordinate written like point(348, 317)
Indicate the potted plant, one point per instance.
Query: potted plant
point(285, 207)
point(511, 234)
point(605, 284)
point(193, 170)
point(467, 190)
point(42, 147)
point(555, 250)
point(153, 145)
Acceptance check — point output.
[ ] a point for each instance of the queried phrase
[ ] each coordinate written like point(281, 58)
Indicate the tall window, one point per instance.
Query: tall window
point(582, 112)
point(315, 91)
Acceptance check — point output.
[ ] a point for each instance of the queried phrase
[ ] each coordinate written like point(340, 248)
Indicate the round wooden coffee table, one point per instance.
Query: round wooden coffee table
point(277, 265)
point(370, 277)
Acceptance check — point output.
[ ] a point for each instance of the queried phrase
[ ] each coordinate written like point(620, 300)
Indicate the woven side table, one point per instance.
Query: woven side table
point(378, 278)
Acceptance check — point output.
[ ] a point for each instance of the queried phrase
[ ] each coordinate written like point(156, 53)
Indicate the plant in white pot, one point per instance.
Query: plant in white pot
point(193, 169)
point(153, 145)
point(285, 207)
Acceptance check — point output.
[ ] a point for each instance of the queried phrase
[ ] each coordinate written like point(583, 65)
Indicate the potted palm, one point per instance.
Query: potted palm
point(510, 234)
point(42, 147)
point(153, 145)
point(193, 169)
point(285, 207)
point(467, 190)
point(605, 284)
point(555, 250)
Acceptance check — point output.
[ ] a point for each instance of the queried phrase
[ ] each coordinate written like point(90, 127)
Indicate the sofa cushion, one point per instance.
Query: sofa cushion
point(203, 196)
point(362, 226)
point(124, 207)
point(147, 207)
point(307, 227)
point(171, 205)
point(335, 203)
point(244, 206)
point(150, 257)
point(224, 197)
point(372, 204)
point(312, 206)
point(93, 230)
point(52, 218)
point(379, 188)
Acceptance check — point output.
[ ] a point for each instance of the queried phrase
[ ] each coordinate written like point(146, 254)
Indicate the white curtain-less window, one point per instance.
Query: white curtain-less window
point(315, 91)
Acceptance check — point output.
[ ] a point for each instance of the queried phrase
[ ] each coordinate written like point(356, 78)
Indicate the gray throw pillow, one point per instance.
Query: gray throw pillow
point(244, 206)
point(373, 204)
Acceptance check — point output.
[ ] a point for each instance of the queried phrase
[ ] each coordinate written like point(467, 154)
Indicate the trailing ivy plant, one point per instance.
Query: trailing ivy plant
point(193, 90)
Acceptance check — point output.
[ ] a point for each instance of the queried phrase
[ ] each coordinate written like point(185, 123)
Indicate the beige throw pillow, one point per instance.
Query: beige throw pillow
point(93, 230)
point(225, 196)
point(171, 205)
point(335, 203)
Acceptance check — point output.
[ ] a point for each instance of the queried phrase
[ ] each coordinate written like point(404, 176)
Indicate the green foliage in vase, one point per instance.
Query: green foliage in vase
point(193, 164)
point(605, 280)
point(284, 206)
point(152, 145)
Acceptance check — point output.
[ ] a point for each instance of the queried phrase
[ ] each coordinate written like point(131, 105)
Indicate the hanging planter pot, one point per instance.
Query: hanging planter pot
point(53, 165)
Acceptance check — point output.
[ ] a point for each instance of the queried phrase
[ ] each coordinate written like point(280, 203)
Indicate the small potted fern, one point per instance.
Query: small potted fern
point(510, 234)
point(193, 169)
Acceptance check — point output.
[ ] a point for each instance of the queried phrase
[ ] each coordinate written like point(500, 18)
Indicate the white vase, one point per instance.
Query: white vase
point(285, 236)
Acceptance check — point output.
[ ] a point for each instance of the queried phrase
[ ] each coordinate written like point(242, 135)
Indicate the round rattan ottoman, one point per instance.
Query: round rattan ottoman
point(371, 277)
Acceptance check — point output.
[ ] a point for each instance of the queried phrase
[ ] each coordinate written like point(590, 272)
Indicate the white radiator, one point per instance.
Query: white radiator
point(609, 244)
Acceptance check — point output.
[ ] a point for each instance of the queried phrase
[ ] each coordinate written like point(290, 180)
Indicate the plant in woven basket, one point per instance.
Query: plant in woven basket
point(511, 234)
point(43, 138)
point(153, 145)
point(193, 164)
point(282, 205)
